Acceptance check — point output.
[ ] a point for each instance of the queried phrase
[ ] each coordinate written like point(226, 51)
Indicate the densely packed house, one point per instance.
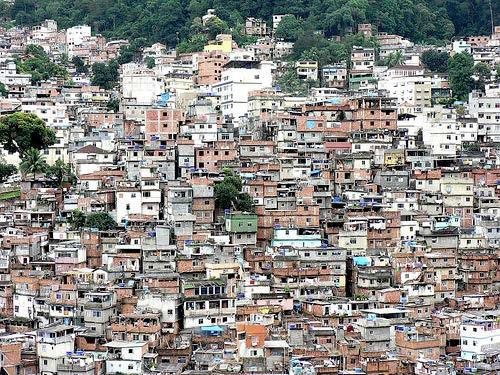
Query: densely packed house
point(351, 230)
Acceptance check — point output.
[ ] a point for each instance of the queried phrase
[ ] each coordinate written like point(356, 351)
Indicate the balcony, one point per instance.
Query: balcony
point(75, 368)
point(210, 312)
point(98, 305)
point(139, 327)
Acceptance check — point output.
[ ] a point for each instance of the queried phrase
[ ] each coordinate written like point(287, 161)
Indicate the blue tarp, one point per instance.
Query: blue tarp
point(335, 100)
point(361, 261)
point(212, 329)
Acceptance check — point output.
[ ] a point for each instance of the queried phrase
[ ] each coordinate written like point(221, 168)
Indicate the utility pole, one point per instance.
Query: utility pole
point(491, 16)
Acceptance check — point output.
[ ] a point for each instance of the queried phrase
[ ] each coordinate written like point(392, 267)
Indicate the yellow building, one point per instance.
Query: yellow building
point(394, 157)
point(223, 43)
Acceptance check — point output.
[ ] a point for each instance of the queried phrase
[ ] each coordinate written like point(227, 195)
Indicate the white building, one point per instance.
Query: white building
point(135, 201)
point(52, 344)
point(90, 159)
point(442, 137)
point(486, 108)
point(478, 336)
point(412, 92)
point(167, 304)
point(24, 303)
point(460, 46)
point(59, 150)
point(362, 59)
point(442, 132)
point(238, 79)
point(307, 70)
point(141, 84)
point(9, 76)
point(52, 112)
point(75, 36)
point(125, 357)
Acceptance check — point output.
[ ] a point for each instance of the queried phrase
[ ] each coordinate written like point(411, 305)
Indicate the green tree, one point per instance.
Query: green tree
point(307, 40)
point(113, 105)
point(61, 173)
point(33, 162)
point(132, 52)
point(105, 75)
point(228, 194)
point(216, 26)
point(35, 50)
point(435, 61)
point(79, 64)
point(460, 70)
point(497, 73)
point(289, 28)
point(126, 56)
point(482, 71)
point(150, 62)
point(6, 170)
point(395, 59)
point(78, 219)
point(194, 44)
point(225, 195)
point(4, 92)
point(64, 59)
point(290, 82)
point(245, 203)
point(20, 132)
point(39, 65)
point(100, 220)
point(161, 20)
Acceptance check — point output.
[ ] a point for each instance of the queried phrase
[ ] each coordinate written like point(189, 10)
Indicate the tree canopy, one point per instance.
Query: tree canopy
point(460, 70)
point(100, 220)
point(77, 219)
point(20, 132)
point(61, 173)
point(33, 162)
point(435, 61)
point(289, 28)
point(105, 75)
point(3, 90)
point(79, 64)
point(228, 195)
point(482, 71)
point(6, 170)
point(170, 21)
point(39, 65)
